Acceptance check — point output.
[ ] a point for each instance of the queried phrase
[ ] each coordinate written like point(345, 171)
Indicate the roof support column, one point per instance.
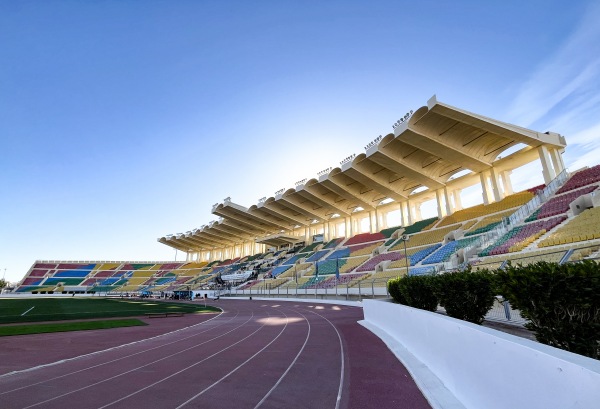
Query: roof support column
point(408, 213)
point(373, 221)
point(348, 226)
point(457, 200)
point(449, 210)
point(401, 208)
point(506, 182)
point(417, 211)
point(438, 198)
point(547, 170)
point(487, 197)
point(557, 161)
point(306, 235)
point(498, 195)
point(383, 223)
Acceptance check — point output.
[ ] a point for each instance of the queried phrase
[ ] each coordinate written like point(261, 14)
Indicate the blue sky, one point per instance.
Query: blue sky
point(123, 121)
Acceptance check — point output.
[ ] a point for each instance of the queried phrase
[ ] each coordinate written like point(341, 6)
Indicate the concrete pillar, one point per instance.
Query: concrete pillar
point(557, 161)
point(417, 208)
point(561, 160)
point(487, 197)
point(547, 169)
point(372, 221)
point(383, 220)
point(440, 208)
point(348, 231)
point(447, 200)
point(457, 200)
point(306, 234)
point(506, 182)
point(401, 206)
point(495, 188)
point(408, 213)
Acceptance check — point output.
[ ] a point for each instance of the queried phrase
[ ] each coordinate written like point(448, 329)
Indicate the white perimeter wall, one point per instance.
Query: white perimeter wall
point(489, 369)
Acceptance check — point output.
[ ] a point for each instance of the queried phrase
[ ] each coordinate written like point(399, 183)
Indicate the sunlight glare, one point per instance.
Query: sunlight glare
point(272, 321)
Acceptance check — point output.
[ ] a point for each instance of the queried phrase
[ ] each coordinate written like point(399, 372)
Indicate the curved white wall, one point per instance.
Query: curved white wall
point(489, 369)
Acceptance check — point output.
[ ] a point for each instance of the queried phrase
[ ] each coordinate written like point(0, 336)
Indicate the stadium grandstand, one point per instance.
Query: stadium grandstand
point(334, 231)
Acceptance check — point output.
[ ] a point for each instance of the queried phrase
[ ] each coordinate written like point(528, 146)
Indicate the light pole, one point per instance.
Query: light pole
point(405, 239)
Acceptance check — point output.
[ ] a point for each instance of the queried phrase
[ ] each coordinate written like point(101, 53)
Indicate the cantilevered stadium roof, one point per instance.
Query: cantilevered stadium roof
point(425, 150)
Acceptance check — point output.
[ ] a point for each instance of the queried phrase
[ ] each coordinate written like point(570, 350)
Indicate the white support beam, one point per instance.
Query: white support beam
point(547, 169)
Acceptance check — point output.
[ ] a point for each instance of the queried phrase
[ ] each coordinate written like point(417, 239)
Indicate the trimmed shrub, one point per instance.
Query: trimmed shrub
point(415, 291)
point(466, 295)
point(562, 303)
point(394, 290)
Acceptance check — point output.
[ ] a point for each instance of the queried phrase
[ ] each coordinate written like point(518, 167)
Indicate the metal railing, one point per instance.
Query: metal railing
point(501, 311)
point(489, 238)
point(368, 288)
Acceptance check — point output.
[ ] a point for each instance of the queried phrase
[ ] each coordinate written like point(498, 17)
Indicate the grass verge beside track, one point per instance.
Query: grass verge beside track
point(24, 310)
point(67, 326)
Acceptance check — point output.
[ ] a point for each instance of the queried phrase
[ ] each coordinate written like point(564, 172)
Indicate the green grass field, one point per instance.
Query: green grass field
point(72, 308)
point(7, 330)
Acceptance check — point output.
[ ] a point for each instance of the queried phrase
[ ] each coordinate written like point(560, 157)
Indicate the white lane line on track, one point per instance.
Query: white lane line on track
point(117, 359)
point(62, 361)
point(289, 367)
point(182, 370)
point(339, 396)
point(28, 310)
point(137, 368)
point(236, 368)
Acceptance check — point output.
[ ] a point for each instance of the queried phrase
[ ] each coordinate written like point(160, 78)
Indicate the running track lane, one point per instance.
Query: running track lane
point(256, 354)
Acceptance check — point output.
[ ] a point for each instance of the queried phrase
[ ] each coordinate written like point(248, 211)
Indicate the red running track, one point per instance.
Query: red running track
point(255, 354)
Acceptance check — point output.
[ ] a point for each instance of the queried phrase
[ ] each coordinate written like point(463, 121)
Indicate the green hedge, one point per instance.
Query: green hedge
point(466, 295)
point(561, 302)
point(414, 291)
point(393, 288)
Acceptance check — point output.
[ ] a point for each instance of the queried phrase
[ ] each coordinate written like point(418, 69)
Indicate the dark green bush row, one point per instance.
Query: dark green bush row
point(561, 302)
point(466, 295)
